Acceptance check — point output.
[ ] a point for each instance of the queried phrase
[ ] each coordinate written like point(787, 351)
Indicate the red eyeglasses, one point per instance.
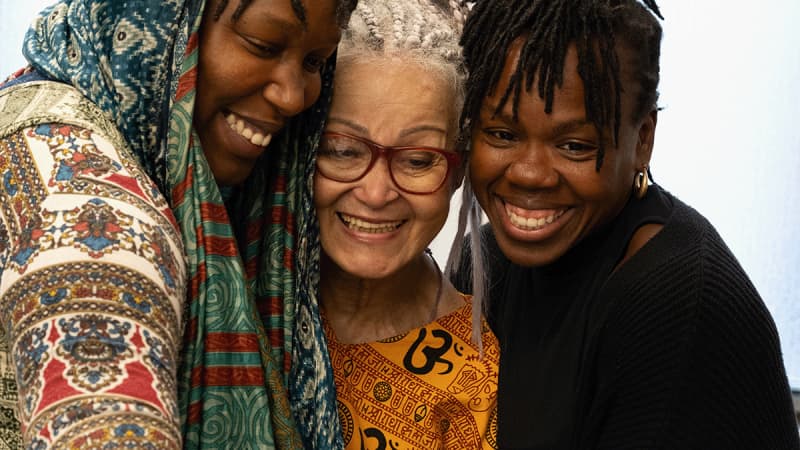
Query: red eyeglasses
point(416, 170)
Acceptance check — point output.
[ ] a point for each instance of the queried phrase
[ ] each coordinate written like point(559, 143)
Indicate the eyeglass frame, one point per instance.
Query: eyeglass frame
point(387, 152)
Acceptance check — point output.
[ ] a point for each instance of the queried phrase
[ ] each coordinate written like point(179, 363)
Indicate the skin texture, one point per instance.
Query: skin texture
point(260, 70)
point(376, 285)
point(541, 167)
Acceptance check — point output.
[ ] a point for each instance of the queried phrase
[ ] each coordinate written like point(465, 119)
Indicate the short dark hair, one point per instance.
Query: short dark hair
point(343, 10)
point(547, 28)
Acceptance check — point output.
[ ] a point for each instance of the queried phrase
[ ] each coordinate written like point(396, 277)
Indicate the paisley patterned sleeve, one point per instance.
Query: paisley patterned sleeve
point(92, 283)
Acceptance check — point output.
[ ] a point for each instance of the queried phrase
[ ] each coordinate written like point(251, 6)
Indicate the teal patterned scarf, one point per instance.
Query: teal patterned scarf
point(137, 61)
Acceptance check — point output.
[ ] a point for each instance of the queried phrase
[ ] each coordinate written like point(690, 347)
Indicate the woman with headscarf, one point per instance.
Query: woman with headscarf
point(155, 228)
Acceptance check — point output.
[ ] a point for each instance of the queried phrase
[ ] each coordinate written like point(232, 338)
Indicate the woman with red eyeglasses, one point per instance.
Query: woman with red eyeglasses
point(408, 372)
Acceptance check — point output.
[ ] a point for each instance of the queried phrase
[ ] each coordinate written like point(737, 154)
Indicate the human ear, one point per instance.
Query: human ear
point(647, 134)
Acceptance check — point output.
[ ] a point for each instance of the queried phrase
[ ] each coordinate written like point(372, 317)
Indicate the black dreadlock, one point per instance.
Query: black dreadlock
point(547, 29)
point(343, 10)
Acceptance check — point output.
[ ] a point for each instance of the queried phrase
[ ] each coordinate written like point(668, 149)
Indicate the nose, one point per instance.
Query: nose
point(377, 189)
point(286, 88)
point(533, 168)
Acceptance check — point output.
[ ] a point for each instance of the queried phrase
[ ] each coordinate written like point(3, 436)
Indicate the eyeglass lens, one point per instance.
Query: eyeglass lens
point(416, 170)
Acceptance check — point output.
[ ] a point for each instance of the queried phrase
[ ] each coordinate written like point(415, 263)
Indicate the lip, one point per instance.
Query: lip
point(253, 133)
point(264, 126)
point(369, 228)
point(558, 214)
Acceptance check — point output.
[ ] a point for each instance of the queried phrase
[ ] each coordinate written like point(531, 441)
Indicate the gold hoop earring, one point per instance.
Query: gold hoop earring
point(640, 183)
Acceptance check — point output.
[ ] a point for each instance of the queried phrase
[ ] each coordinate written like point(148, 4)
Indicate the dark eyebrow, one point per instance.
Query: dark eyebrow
point(267, 19)
point(561, 128)
point(491, 110)
point(570, 126)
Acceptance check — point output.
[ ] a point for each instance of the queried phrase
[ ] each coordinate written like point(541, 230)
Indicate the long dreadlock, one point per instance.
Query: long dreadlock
point(343, 10)
point(547, 29)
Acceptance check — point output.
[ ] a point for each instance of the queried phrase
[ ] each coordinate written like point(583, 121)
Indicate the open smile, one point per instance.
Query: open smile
point(534, 224)
point(532, 219)
point(363, 226)
point(250, 132)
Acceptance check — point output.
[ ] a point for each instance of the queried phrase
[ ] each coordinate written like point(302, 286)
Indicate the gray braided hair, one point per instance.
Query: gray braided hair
point(423, 31)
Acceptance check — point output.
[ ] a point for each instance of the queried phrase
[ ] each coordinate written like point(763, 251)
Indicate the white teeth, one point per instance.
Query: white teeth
point(369, 227)
point(260, 140)
point(255, 137)
point(531, 223)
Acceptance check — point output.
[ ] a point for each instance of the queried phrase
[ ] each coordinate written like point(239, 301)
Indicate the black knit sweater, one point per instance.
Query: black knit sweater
point(673, 350)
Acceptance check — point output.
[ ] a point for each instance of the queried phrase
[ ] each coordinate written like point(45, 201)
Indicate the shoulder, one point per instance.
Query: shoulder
point(29, 104)
point(685, 290)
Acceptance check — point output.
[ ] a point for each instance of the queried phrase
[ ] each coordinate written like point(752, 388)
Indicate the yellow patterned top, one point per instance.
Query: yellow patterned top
point(426, 389)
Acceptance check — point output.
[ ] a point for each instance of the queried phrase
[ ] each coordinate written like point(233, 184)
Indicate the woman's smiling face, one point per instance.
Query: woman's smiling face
point(536, 176)
point(254, 73)
point(370, 228)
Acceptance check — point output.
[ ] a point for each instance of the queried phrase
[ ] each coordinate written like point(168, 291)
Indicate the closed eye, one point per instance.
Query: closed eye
point(262, 49)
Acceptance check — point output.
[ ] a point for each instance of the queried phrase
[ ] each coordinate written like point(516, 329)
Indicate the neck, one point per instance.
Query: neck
point(365, 310)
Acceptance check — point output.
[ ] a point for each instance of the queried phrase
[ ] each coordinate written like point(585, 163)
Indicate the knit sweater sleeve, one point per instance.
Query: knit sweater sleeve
point(692, 358)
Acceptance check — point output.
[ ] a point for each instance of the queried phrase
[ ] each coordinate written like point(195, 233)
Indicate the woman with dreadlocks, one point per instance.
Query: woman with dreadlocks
point(624, 320)
point(156, 226)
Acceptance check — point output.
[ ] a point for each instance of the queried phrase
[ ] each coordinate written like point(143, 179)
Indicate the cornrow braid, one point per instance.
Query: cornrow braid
point(547, 29)
point(421, 27)
point(343, 10)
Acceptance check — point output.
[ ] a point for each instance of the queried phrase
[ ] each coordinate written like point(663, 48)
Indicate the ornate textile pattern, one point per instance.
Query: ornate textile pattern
point(232, 379)
point(10, 438)
point(97, 333)
point(137, 61)
point(311, 383)
point(428, 388)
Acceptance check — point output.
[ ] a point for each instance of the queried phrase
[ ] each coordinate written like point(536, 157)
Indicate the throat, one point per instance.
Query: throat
point(370, 310)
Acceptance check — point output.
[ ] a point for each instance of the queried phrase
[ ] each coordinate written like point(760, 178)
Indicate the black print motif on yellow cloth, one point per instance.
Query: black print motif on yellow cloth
point(427, 388)
point(96, 334)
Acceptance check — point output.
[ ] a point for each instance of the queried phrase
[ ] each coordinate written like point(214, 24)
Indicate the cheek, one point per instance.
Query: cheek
point(434, 212)
point(320, 191)
point(483, 168)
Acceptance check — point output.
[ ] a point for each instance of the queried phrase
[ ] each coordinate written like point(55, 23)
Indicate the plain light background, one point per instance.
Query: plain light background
point(726, 141)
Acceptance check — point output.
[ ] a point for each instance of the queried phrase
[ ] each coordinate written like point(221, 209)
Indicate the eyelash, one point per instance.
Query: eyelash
point(499, 137)
point(312, 64)
point(264, 50)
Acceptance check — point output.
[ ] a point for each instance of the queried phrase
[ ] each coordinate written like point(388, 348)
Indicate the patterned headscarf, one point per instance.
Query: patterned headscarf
point(137, 60)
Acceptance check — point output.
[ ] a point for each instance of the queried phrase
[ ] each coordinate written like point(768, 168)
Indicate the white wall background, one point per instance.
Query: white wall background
point(727, 142)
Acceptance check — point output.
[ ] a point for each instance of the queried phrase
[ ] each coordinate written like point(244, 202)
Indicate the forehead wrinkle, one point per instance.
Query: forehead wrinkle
point(349, 123)
point(420, 129)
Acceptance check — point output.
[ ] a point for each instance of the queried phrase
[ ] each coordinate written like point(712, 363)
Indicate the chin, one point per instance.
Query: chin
point(527, 255)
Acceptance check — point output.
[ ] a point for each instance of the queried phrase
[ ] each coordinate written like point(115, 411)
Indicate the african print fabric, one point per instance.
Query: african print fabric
point(426, 389)
point(227, 388)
